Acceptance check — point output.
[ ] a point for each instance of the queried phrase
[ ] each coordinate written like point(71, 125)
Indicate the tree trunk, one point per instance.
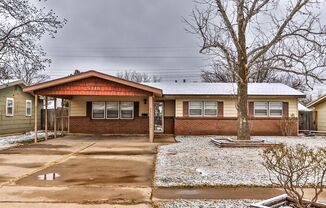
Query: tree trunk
point(243, 124)
point(243, 71)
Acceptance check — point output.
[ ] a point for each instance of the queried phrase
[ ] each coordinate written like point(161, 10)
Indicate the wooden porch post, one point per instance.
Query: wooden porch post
point(35, 119)
point(62, 105)
point(46, 117)
point(151, 118)
point(55, 118)
point(69, 109)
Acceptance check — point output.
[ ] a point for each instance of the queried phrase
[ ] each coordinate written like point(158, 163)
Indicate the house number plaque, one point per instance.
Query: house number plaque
point(93, 88)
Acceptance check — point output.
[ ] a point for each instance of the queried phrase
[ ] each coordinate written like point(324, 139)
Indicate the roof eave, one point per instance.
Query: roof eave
point(88, 74)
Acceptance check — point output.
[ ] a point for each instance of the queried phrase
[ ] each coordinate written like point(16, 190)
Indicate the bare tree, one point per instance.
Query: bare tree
point(262, 76)
point(296, 168)
point(22, 25)
point(245, 35)
point(137, 76)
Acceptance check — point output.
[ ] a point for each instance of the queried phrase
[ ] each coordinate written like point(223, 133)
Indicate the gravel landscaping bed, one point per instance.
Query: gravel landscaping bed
point(196, 161)
point(203, 203)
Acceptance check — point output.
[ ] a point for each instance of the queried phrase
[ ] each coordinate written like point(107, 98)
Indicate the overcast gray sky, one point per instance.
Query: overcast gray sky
point(117, 35)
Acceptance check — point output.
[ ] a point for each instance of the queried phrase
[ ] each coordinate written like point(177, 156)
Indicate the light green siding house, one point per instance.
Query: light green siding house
point(16, 108)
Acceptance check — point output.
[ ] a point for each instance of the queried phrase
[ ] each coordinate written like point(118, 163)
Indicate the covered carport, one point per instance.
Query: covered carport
point(91, 89)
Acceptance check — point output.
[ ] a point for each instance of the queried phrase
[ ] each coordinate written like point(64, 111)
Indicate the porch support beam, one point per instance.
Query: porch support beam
point(62, 105)
point(69, 110)
point(151, 118)
point(35, 117)
point(55, 118)
point(46, 118)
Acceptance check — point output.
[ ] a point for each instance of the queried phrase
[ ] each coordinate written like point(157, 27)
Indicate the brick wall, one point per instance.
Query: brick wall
point(227, 126)
point(81, 124)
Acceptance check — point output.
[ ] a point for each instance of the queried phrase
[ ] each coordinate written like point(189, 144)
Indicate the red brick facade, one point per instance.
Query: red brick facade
point(227, 126)
point(81, 124)
point(92, 86)
point(138, 125)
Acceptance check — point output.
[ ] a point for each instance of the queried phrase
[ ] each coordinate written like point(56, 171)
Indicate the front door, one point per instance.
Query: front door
point(159, 117)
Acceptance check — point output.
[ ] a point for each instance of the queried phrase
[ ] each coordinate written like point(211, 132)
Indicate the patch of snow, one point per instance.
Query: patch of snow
point(302, 107)
point(14, 140)
point(199, 162)
point(202, 88)
point(203, 203)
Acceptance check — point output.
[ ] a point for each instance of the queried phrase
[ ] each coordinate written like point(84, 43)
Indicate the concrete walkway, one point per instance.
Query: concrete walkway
point(93, 170)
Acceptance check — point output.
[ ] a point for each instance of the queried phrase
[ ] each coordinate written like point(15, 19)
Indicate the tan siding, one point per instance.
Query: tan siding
point(19, 123)
point(78, 103)
point(230, 104)
point(321, 116)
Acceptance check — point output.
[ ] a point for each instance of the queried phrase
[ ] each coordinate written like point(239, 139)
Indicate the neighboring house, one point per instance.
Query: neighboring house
point(104, 104)
point(16, 108)
point(319, 106)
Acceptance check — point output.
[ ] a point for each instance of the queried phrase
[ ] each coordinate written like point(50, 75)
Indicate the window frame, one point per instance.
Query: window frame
point(204, 112)
point(104, 110)
point(13, 107)
point(31, 108)
point(269, 109)
point(189, 109)
point(133, 110)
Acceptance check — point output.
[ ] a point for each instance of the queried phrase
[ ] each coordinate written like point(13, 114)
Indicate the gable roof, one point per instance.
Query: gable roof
point(88, 74)
point(225, 89)
point(11, 82)
point(317, 101)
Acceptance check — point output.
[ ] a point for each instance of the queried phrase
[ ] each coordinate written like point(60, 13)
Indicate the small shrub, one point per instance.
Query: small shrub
point(296, 168)
point(288, 125)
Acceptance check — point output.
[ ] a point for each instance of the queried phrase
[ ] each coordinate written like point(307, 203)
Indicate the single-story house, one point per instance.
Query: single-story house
point(16, 108)
point(104, 104)
point(319, 105)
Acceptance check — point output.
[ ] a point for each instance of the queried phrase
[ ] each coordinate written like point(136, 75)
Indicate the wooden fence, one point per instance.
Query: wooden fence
point(51, 113)
point(307, 120)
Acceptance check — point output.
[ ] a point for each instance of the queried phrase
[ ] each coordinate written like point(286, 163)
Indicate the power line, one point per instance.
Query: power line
point(125, 57)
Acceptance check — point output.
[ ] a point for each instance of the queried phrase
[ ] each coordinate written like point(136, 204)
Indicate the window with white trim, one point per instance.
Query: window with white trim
point(275, 109)
point(210, 108)
point(126, 110)
point(28, 108)
point(112, 110)
point(10, 106)
point(195, 108)
point(98, 110)
point(261, 109)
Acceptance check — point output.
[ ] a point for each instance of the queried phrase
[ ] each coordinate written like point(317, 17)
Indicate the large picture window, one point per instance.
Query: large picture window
point(195, 108)
point(126, 110)
point(210, 108)
point(261, 109)
point(268, 109)
point(98, 110)
point(28, 108)
point(275, 109)
point(112, 110)
point(10, 107)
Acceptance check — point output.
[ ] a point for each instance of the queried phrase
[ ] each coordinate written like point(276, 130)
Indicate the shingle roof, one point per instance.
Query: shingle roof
point(254, 89)
point(11, 82)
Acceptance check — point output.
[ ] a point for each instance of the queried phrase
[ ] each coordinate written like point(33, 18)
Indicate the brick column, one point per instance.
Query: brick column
point(151, 118)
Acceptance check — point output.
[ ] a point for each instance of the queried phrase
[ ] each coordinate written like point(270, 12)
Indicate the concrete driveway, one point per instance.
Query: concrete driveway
point(90, 170)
